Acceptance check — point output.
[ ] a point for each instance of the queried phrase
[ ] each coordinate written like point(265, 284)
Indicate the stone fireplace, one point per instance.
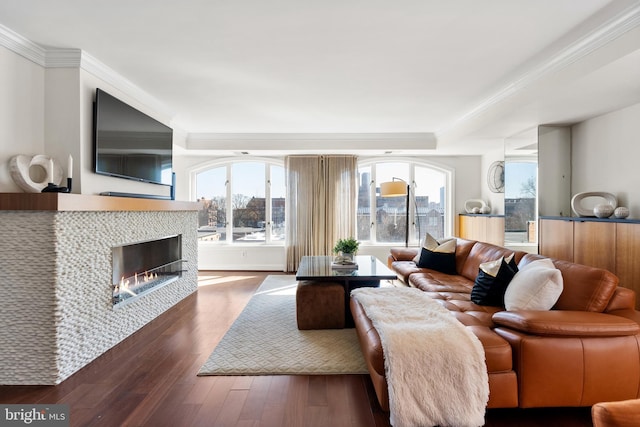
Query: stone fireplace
point(58, 313)
point(142, 267)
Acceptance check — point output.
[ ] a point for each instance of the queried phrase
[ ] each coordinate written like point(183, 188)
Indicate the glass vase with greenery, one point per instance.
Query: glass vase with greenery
point(346, 249)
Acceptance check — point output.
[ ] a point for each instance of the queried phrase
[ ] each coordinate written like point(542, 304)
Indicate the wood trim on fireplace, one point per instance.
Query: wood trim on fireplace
point(86, 202)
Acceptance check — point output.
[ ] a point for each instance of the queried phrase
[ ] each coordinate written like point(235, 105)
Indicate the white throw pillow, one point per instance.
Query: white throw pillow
point(535, 287)
point(544, 262)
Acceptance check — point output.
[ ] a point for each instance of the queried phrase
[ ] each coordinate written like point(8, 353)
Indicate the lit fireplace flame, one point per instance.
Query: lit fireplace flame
point(145, 278)
point(124, 286)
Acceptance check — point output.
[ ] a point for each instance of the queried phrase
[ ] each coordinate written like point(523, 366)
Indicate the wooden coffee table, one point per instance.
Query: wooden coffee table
point(369, 273)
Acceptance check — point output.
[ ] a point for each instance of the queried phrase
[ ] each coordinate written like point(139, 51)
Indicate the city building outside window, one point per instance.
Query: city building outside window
point(243, 202)
point(383, 219)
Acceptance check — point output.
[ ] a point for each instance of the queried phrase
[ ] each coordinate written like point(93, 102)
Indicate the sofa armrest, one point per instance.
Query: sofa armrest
point(369, 339)
point(624, 413)
point(403, 254)
point(623, 298)
point(565, 323)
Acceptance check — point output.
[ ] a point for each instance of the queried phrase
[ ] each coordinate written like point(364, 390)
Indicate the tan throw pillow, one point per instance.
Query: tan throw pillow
point(537, 286)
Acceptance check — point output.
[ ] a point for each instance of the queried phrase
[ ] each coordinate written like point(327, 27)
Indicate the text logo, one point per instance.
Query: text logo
point(34, 415)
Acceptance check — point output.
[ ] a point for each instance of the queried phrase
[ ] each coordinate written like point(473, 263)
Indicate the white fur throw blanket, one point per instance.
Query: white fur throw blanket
point(434, 366)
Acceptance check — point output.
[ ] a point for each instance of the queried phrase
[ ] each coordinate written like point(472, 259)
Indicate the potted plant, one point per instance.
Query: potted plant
point(346, 249)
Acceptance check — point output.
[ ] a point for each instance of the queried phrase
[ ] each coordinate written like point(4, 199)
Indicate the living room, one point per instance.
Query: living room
point(378, 92)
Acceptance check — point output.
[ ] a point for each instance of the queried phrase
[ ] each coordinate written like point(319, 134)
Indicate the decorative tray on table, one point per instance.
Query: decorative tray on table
point(343, 263)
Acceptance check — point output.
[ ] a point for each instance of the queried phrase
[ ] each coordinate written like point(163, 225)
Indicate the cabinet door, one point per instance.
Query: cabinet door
point(473, 227)
point(464, 226)
point(479, 228)
point(627, 255)
point(495, 230)
point(594, 244)
point(556, 239)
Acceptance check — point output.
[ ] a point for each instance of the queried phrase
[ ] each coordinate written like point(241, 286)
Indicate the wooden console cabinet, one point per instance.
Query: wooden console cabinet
point(610, 244)
point(483, 228)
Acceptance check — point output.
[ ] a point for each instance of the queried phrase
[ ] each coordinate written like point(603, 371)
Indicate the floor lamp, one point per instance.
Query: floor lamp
point(395, 188)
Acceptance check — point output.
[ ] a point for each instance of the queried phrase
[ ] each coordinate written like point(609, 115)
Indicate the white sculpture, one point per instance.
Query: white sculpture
point(580, 210)
point(20, 170)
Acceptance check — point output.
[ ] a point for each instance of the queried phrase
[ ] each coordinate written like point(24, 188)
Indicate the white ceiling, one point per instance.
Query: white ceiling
point(469, 71)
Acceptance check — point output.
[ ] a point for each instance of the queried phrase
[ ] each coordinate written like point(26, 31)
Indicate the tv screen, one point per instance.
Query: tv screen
point(129, 144)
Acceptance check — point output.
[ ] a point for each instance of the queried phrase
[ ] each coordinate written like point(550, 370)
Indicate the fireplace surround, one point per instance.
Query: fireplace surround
point(142, 267)
point(58, 275)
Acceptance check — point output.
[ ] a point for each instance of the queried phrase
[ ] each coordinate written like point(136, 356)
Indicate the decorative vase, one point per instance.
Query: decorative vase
point(346, 257)
point(576, 202)
point(621, 212)
point(603, 210)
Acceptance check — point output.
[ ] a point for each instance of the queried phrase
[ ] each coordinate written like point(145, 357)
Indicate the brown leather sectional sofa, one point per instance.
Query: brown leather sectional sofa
point(584, 351)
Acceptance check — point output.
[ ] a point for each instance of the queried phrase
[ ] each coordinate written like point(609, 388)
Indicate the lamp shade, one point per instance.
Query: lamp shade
point(393, 189)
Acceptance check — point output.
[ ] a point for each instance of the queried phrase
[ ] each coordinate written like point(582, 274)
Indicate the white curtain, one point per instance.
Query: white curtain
point(321, 204)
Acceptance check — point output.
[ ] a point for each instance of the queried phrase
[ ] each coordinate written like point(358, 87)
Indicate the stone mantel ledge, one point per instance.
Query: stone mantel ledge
point(85, 202)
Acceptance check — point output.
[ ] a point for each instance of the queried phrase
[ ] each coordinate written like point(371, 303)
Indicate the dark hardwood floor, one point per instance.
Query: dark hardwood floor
point(150, 379)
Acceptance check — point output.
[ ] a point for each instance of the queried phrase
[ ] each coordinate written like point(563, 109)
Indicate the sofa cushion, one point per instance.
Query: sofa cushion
point(536, 287)
point(585, 288)
point(498, 356)
point(624, 413)
point(483, 252)
point(435, 281)
point(405, 269)
point(437, 255)
point(492, 281)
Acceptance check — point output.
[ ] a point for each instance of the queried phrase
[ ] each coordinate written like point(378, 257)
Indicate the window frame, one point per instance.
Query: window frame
point(449, 175)
point(228, 164)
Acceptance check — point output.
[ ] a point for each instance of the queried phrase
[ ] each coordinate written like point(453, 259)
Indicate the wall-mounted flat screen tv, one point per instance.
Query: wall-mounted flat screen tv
point(130, 144)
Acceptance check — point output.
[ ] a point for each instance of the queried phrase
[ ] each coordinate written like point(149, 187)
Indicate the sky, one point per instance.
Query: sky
point(249, 177)
point(515, 174)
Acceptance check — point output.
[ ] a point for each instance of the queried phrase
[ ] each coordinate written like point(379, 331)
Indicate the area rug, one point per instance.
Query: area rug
point(265, 340)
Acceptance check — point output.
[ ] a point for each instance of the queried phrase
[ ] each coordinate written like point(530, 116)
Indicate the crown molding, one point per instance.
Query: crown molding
point(76, 58)
point(605, 33)
point(22, 46)
point(311, 141)
point(63, 58)
point(92, 65)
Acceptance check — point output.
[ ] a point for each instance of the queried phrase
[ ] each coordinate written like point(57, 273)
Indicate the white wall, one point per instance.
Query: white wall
point(62, 119)
point(605, 153)
point(21, 112)
point(50, 111)
point(494, 200)
point(467, 185)
point(554, 171)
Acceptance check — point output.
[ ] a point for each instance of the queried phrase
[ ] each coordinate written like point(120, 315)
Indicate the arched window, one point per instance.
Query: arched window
point(243, 201)
point(384, 219)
